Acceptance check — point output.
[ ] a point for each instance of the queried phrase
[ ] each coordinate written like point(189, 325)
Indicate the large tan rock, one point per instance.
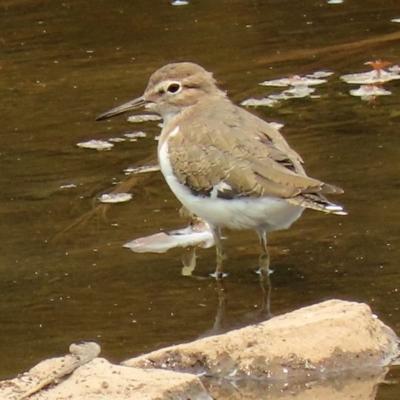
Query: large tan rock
point(101, 380)
point(283, 358)
point(306, 344)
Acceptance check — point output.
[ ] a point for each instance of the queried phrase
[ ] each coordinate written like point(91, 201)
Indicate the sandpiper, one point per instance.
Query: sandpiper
point(223, 163)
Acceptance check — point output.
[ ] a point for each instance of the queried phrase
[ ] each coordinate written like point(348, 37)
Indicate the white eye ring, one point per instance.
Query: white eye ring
point(174, 87)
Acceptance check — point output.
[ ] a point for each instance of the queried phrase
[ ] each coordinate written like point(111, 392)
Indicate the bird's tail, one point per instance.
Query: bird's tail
point(317, 201)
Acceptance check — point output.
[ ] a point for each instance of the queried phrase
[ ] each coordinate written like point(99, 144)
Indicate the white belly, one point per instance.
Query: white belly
point(266, 213)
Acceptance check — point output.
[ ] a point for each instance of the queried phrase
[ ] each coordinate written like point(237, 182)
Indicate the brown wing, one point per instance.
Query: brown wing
point(227, 146)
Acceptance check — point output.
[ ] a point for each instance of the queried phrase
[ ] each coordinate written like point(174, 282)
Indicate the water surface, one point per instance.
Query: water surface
point(63, 63)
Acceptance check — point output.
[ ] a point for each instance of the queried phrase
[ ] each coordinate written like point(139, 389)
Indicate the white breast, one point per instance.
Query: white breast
point(268, 213)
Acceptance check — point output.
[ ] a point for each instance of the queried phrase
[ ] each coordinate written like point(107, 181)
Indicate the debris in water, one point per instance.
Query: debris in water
point(99, 145)
point(265, 102)
point(115, 197)
point(394, 68)
point(198, 235)
point(297, 92)
point(377, 75)
point(141, 170)
point(276, 125)
point(68, 186)
point(117, 139)
point(180, 3)
point(295, 80)
point(143, 118)
point(135, 135)
point(298, 86)
point(320, 74)
point(369, 92)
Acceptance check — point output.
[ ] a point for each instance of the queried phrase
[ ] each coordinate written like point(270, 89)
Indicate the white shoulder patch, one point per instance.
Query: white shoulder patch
point(221, 187)
point(174, 132)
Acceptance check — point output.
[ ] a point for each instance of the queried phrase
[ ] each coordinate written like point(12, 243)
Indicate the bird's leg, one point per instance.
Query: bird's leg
point(221, 256)
point(189, 261)
point(219, 317)
point(265, 284)
point(265, 281)
point(264, 256)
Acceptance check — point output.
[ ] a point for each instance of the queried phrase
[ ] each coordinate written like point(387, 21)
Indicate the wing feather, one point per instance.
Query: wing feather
point(226, 144)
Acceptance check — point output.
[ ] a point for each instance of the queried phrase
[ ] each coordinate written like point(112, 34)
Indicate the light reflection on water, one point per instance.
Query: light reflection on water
point(68, 62)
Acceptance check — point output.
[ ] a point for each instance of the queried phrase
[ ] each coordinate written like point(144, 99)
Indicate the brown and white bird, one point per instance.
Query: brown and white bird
point(223, 163)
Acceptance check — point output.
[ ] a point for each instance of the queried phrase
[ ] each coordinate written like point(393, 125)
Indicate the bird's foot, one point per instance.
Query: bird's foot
point(262, 271)
point(219, 275)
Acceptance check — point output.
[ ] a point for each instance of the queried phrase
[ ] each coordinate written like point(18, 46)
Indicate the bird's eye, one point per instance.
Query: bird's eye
point(173, 87)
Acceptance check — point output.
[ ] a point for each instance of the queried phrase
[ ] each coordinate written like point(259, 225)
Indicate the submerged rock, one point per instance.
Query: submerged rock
point(307, 344)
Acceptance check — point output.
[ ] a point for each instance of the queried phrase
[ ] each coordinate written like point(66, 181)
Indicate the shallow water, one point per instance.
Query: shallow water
point(63, 63)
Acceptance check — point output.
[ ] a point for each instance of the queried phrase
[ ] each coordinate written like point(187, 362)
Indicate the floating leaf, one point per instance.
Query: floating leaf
point(295, 80)
point(265, 102)
point(141, 170)
point(135, 135)
point(198, 235)
point(180, 3)
point(143, 118)
point(370, 91)
point(115, 197)
point(96, 145)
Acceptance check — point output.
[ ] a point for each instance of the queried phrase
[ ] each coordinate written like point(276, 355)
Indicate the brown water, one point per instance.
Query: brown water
point(63, 63)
